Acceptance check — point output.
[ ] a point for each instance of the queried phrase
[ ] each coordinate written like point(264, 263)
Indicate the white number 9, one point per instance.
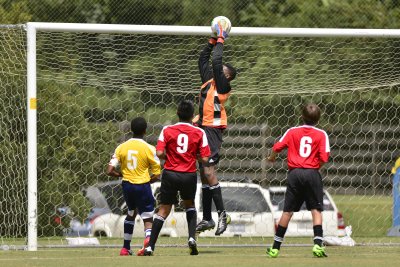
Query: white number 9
point(182, 142)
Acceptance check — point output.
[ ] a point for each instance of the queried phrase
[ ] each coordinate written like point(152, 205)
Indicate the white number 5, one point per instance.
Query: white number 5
point(305, 146)
point(182, 143)
point(132, 160)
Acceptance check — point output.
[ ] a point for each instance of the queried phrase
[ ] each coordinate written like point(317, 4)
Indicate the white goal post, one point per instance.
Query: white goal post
point(32, 102)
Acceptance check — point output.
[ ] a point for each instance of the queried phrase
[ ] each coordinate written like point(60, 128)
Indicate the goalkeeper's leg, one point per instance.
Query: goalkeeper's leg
point(216, 193)
point(207, 223)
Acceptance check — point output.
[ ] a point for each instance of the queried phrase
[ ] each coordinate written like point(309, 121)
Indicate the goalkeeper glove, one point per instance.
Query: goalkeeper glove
point(213, 40)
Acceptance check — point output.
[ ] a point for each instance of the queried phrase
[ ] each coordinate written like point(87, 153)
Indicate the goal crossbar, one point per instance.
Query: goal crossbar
point(204, 30)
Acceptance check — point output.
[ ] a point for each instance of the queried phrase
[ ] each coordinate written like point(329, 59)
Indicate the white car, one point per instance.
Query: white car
point(248, 205)
point(301, 222)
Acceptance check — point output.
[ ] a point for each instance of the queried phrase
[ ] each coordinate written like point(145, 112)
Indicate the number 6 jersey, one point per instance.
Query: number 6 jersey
point(307, 146)
point(182, 143)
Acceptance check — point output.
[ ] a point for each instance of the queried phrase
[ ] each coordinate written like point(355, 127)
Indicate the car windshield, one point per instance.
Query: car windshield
point(243, 199)
point(278, 199)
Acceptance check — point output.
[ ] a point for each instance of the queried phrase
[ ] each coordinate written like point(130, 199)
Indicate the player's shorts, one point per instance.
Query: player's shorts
point(139, 196)
point(172, 182)
point(214, 138)
point(304, 185)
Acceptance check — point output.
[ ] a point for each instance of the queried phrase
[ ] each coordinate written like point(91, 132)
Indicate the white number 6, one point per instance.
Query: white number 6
point(305, 146)
point(182, 143)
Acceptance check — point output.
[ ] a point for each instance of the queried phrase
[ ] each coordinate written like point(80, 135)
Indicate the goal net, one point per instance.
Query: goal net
point(90, 85)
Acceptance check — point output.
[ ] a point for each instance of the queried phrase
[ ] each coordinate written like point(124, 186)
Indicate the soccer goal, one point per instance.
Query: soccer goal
point(68, 92)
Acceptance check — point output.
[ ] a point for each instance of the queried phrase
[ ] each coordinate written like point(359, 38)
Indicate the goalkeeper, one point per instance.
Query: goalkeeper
point(212, 119)
point(308, 149)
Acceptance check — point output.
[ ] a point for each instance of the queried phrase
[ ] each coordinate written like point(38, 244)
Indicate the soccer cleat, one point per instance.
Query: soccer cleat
point(273, 252)
point(125, 252)
point(140, 252)
point(193, 247)
point(228, 219)
point(148, 251)
point(205, 225)
point(222, 223)
point(145, 245)
point(319, 251)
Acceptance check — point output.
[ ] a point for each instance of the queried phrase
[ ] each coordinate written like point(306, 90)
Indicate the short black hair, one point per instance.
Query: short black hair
point(232, 71)
point(138, 126)
point(311, 114)
point(185, 110)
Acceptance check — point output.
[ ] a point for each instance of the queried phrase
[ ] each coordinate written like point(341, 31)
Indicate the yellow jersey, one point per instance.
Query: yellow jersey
point(137, 159)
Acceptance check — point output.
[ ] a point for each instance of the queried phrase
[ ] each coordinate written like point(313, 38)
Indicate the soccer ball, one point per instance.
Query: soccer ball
point(223, 21)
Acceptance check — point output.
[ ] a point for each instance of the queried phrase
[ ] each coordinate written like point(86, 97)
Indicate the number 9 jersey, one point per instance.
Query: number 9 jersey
point(137, 158)
point(182, 142)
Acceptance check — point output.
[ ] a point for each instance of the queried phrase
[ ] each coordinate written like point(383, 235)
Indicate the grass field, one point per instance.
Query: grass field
point(370, 217)
point(178, 256)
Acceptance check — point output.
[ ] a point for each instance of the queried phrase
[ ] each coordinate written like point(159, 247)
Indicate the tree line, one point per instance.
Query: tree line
point(78, 119)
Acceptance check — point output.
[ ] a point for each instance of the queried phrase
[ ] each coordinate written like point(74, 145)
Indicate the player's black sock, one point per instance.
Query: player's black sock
point(155, 230)
point(128, 231)
point(278, 238)
point(207, 202)
point(217, 197)
point(318, 235)
point(191, 217)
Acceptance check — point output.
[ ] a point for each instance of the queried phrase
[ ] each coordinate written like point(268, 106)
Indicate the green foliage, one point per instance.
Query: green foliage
point(13, 12)
point(67, 162)
point(250, 13)
point(321, 14)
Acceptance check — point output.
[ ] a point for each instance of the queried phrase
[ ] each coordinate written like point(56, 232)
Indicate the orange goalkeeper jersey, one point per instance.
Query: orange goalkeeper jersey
point(211, 106)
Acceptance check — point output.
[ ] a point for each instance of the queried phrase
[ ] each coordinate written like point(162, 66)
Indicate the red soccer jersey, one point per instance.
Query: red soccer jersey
point(182, 143)
point(307, 147)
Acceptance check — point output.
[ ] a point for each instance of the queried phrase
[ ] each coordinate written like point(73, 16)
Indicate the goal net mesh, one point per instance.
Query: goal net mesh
point(13, 170)
point(91, 85)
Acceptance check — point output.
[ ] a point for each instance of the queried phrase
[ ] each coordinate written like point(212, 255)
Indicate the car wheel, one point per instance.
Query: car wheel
point(100, 234)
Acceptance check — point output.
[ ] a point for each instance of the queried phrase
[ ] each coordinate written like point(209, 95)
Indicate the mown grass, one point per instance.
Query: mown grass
point(369, 216)
point(209, 256)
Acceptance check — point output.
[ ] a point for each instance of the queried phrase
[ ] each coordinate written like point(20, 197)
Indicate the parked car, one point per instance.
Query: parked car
point(248, 205)
point(301, 222)
point(102, 201)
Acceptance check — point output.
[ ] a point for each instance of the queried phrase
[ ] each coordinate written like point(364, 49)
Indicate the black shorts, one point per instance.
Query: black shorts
point(172, 182)
point(304, 185)
point(214, 138)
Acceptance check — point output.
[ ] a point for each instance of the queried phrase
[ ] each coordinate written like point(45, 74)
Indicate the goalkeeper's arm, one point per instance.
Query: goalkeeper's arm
point(222, 83)
point(204, 64)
